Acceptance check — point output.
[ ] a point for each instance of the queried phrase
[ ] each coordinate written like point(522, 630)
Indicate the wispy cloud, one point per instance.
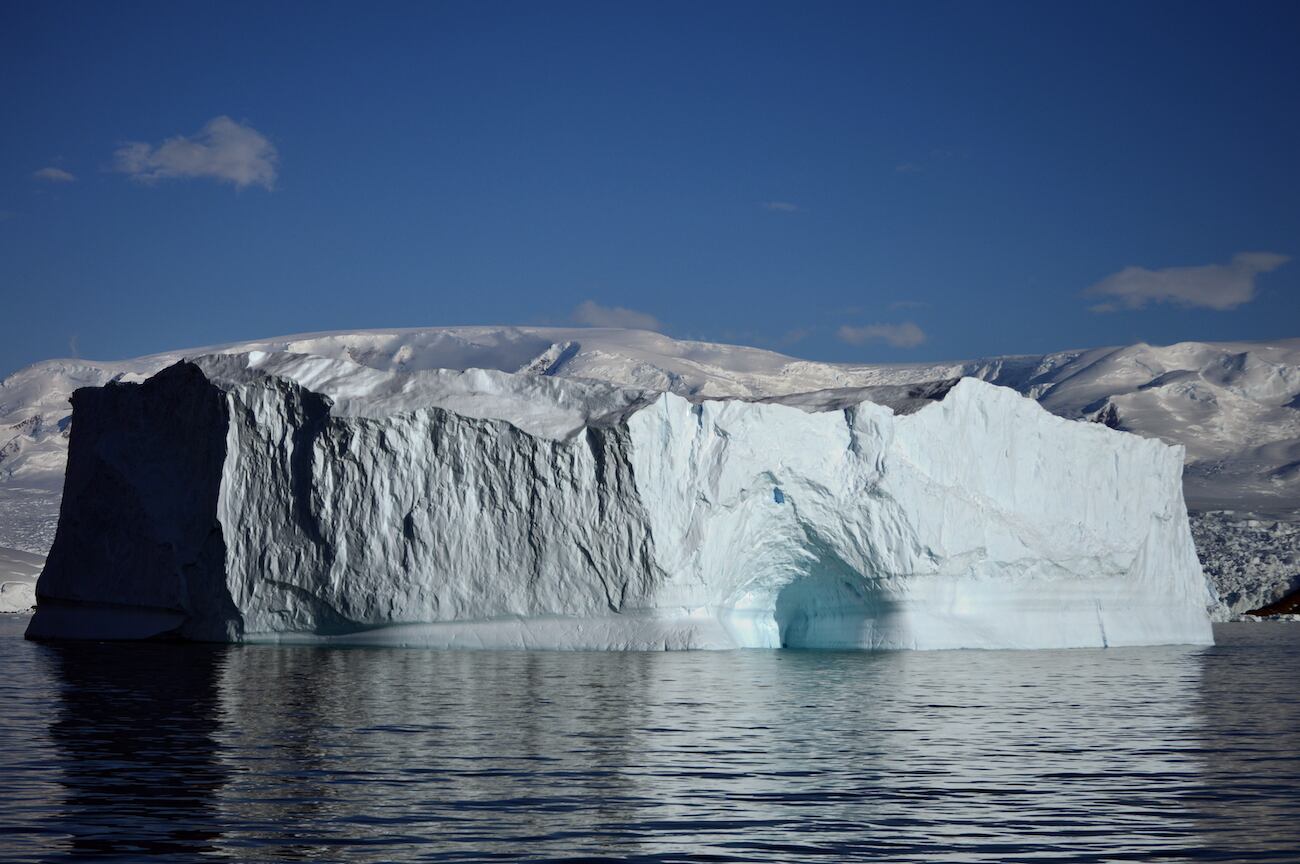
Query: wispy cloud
point(593, 314)
point(905, 335)
point(1212, 286)
point(798, 334)
point(53, 175)
point(781, 207)
point(223, 150)
point(907, 168)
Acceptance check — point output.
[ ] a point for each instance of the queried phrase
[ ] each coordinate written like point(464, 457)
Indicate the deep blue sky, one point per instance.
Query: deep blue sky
point(742, 172)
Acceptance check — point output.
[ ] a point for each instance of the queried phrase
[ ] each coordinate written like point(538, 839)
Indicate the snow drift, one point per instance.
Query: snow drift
point(288, 497)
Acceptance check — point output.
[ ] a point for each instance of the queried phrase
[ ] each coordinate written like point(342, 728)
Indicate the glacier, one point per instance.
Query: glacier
point(271, 496)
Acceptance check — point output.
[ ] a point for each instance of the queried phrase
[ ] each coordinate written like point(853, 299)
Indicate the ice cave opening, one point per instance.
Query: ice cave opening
point(829, 609)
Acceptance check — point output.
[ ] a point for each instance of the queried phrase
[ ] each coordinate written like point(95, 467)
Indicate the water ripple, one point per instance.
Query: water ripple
point(291, 753)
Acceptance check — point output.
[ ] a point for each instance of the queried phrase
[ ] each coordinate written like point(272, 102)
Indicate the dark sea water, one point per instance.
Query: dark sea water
point(261, 753)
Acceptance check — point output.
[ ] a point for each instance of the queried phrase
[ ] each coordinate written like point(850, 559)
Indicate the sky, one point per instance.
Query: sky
point(864, 182)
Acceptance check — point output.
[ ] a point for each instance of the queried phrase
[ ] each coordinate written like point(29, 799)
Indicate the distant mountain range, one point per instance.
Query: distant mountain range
point(1235, 406)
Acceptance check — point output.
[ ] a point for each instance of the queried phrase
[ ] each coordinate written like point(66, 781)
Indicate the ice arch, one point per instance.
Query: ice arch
point(802, 593)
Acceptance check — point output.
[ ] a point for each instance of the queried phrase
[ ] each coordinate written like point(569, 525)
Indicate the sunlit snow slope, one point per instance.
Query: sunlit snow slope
point(18, 572)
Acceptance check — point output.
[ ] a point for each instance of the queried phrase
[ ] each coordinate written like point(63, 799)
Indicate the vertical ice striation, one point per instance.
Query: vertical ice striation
point(289, 497)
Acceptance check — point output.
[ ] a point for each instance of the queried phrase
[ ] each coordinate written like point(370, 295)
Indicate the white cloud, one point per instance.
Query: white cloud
point(592, 314)
point(1213, 286)
point(53, 175)
point(781, 207)
point(222, 150)
point(905, 335)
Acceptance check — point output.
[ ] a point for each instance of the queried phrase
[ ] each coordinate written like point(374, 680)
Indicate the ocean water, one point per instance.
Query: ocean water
point(263, 753)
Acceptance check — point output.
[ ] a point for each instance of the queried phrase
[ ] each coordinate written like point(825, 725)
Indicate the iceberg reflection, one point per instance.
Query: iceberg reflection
point(285, 753)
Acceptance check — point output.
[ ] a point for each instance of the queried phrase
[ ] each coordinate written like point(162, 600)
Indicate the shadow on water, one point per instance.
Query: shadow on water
point(280, 754)
point(138, 760)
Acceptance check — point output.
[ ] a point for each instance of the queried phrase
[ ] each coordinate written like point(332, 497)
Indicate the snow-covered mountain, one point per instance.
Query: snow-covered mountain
point(1235, 406)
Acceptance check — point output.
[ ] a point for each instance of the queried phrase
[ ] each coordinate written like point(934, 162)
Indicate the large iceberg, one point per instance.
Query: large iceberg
point(282, 497)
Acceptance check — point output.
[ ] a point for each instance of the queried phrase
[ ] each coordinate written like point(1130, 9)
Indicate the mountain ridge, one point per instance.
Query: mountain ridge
point(1233, 405)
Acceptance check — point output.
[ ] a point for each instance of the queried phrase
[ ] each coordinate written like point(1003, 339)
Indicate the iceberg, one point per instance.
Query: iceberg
point(271, 496)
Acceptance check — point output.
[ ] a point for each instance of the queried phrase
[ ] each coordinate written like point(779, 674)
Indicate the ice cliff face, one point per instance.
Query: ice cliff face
point(276, 496)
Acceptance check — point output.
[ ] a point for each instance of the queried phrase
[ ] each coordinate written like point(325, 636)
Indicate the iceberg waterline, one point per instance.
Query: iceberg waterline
point(286, 497)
